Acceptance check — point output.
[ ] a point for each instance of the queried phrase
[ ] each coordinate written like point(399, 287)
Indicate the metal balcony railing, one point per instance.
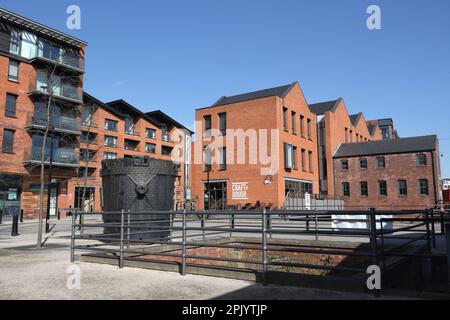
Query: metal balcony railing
point(64, 59)
point(65, 92)
point(63, 157)
point(57, 123)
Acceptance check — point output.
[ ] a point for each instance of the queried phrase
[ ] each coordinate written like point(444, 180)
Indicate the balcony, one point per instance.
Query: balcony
point(57, 123)
point(64, 61)
point(132, 132)
point(62, 157)
point(65, 93)
point(131, 145)
point(165, 137)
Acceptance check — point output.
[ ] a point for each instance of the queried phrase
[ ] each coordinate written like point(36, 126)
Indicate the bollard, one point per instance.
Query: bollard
point(21, 215)
point(15, 226)
point(59, 215)
point(1, 216)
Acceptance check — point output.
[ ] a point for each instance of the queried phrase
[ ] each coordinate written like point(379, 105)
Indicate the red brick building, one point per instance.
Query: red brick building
point(275, 122)
point(400, 173)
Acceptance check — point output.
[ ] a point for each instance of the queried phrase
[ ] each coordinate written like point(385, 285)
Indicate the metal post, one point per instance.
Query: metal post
point(373, 235)
point(122, 235)
point(443, 225)
point(307, 222)
point(72, 238)
point(1, 216)
point(21, 215)
point(128, 230)
point(447, 228)
point(317, 227)
point(264, 247)
point(232, 224)
point(203, 227)
point(269, 224)
point(433, 228)
point(59, 215)
point(183, 257)
point(427, 224)
point(15, 225)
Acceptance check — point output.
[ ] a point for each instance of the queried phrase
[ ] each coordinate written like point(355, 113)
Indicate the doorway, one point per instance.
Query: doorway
point(215, 195)
point(88, 205)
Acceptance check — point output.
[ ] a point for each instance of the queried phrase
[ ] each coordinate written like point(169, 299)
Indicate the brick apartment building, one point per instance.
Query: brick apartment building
point(82, 130)
point(38, 65)
point(400, 173)
point(229, 182)
point(336, 126)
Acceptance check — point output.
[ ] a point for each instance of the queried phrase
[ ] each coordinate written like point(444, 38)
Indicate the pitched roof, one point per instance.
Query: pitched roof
point(322, 107)
point(277, 91)
point(405, 145)
point(121, 106)
point(161, 117)
point(87, 96)
point(354, 118)
point(371, 129)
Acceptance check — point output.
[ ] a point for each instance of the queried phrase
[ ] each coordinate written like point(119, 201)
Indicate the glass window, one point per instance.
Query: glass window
point(381, 162)
point(13, 70)
point(364, 189)
point(15, 42)
point(150, 147)
point(11, 104)
point(207, 120)
point(285, 125)
point(346, 189)
point(87, 115)
point(344, 165)
point(223, 158)
point(382, 186)
point(223, 123)
point(402, 188)
point(422, 159)
point(111, 125)
point(150, 133)
point(207, 158)
point(309, 129)
point(109, 155)
point(302, 126)
point(110, 141)
point(423, 185)
point(8, 141)
point(303, 159)
point(294, 119)
point(310, 162)
point(363, 164)
point(29, 45)
point(288, 159)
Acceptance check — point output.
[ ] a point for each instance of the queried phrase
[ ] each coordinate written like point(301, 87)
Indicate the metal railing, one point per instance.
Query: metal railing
point(60, 157)
point(269, 235)
point(58, 123)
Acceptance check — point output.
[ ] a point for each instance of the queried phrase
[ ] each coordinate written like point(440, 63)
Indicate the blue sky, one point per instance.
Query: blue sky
point(180, 55)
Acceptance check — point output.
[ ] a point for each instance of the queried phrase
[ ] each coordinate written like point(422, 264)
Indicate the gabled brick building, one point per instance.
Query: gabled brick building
point(399, 174)
point(252, 118)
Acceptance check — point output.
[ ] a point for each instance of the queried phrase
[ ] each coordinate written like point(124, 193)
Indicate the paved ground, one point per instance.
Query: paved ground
point(27, 273)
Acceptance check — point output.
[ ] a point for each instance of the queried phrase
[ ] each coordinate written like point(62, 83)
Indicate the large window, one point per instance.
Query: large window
point(288, 156)
point(285, 115)
point(111, 125)
point(222, 159)
point(150, 133)
point(423, 186)
point(15, 42)
point(303, 159)
point(8, 141)
point(402, 188)
point(346, 189)
point(421, 159)
point(310, 162)
point(207, 120)
point(87, 116)
point(111, 141)
point(207, 158)
point(150, 147)
point(382, 187)
point(109, 155)
point(364, 189)
point(344, 165)
point(11, 105)
point(381, 162)
point(223, 123)
point(13, 70)
point(297, 188)
point(363, 164)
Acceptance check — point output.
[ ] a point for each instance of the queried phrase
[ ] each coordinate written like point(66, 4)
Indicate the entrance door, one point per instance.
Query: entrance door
point(10, 191)
point(215, 195)
point(85, 199)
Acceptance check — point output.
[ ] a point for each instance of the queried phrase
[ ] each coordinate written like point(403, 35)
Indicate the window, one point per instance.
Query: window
point(364, 189)
point(309, 129)
point(222, 159)
point(11, 103)
point(87, 115)
point(111, 141)
point(131, 145)
point(310, 162)
point(346, 189)
point(150, 133)
point(285, 124)
point(207, 120)
point(363, 164)
point(421, 159)
point(382, 187)
point(423, 186)
point(130, 126)
point(346, 135)
point(223, 123)
point(87, 137)
point(294, 158)
point(15, 42)
point(293, 119)
point(109, 155)
point(111, 125)
point(303, 159)
point(402, 188)
point(150, 147)
point(13, 70)
point(87, 155)
point(8, 141)
point(288, 156)
point(207, 158)
point(302, 126)
point(381, 162)
point(344, 165)
point(351, 136)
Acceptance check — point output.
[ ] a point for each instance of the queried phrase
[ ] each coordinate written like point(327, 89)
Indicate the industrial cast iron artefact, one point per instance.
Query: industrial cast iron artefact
point(138, 184)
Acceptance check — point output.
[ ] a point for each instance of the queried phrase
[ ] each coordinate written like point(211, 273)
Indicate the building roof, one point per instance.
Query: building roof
point(371, 129)
point(323, 107)
point(162, 117)
point(124, 107)
point(405, 145)
point(40, 28)
point(277, 91)
point(354, 118)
